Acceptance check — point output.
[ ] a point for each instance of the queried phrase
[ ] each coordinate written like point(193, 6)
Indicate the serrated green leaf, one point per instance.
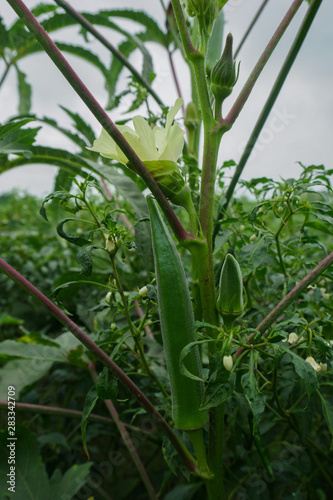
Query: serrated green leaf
point(251, 256)
point(219, 390)
point(70, 162)
point(18, 142)
point(89, 405)
point(304, 370)
point(154, 31)
point(31, 480)
point(24, 91)
point(65, 487)
point(85, 260)
point(255, 399)
point(327, 408)
point(83, 53)
point(76, 240)
point(4, 39)
point(107, 385)
point(82, 126)
point(57, 195)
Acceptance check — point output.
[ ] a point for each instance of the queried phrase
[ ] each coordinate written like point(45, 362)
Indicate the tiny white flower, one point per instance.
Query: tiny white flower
point(143, 292)
point(313, 363)
point(110, 244)
point(228, 362)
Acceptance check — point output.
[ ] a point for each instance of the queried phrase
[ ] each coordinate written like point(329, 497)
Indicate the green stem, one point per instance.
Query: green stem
point(127, 441)
point(117, 54)
point(105, 359)
point(216, 490)
point(289, 61)
point(103, 118)
point(196, 437)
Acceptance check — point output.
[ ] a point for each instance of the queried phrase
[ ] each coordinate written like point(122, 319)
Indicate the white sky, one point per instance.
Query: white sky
point(298, 129)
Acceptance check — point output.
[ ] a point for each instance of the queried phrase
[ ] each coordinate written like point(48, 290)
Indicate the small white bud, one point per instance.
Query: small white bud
point(143, 292)
point(241, 228)
point(323, 367)
point(110, 244)
point(253, 237)
point(108, 297)
point(228, 362)
point(293, 337)
point(313, 363)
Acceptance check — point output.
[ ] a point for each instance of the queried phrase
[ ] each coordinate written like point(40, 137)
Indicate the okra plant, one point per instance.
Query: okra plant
point(211, 310)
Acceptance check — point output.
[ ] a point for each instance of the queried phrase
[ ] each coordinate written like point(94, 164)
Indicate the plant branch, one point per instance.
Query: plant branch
point(117, 54)
point(103, 118)
point(190, 51)
point(104, 358)
point(247, 89)
point(248, 31)
point(289, 298)
point(127, 440)
point(289, 61)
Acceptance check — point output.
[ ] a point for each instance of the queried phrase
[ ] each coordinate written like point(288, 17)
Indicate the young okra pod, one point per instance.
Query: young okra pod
point(177, 326)
point(230, 301)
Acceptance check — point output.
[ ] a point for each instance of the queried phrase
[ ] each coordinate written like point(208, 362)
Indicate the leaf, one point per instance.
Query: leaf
point(89, 405)
point(107, 385)
point(76, 240)
point(154, 31)
point(57, 195)
point(85, 260)
point(184, 352)
point(183, 492)
point(68, 485)
point(82, 126)
point(255, 399)
point(49, 156)
point(24, 91)
point(219, 389)
point(304, 370)
point(251, 256)
point(30, 474)
point(327, 408)
point(6, 319)
point(4, 39)
point(18, 141)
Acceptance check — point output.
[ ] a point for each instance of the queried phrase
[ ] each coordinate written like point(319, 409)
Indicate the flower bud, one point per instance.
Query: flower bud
point(323, 367)
point(241, 228)
point(113, 326)
point(224, 74)
point(108, 297)
point(228, 362)
point(253, 237)
point(230, 301)
point(191, 117)
point(143, 292)
point(313, 363)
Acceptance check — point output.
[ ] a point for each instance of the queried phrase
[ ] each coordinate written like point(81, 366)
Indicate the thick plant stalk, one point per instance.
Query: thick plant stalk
point(127, 440)
point(104, 358)
point(59, 60)
point(117, 54)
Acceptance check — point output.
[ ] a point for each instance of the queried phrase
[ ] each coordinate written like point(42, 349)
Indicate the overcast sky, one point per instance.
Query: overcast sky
point(298, 129)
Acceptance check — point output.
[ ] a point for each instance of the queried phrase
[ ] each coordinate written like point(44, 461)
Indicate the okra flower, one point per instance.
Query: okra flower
point(313, 363)
point(158, 148)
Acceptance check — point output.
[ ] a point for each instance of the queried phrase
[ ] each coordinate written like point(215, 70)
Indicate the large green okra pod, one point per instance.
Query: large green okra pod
point(177, 325)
